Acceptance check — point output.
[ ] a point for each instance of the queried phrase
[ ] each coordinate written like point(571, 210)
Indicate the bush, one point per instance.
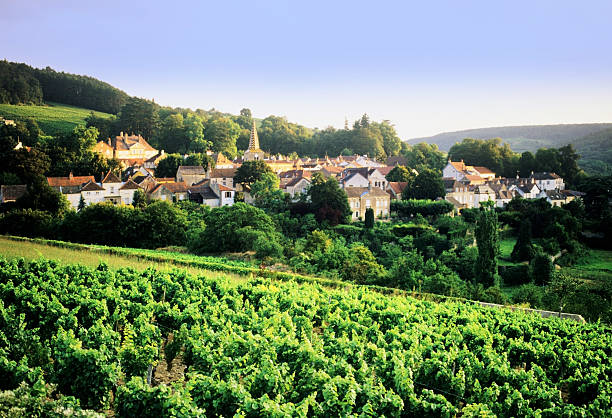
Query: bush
point(26, 223)
point(412, 207)
point(541, 268)
point(515, 275)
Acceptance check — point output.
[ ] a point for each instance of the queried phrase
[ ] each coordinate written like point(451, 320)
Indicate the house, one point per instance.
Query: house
point(355, 179)
point(295, 186)
point(362, 198)
point(396, 160)
point(10, 193)
point(126, 149)
point(211, 194)
point(481, 193)
point(126, 192)
point(548, 181)
point(219, 160)
point(525, 190)
point(484, 173)
point(458, 193)
point(151, 163)
point(70, 187)
point(364, 177)
point(462, 172)
point(92, 193)
point(223, 176)
point(554, 197)
point(190, 174)
point(111, 184)
point(396, 188)
point(502, 194)
point(172, 192)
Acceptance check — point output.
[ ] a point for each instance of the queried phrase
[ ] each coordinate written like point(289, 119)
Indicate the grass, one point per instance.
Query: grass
point(33, 251)
point(505, 250)
point(53, 118)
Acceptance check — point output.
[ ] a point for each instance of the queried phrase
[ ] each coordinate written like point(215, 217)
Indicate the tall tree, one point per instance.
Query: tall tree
point(139, 117)
point(400, 173)
point(487, 241)
point(223, 132)
point(426, 185)
point(251, 171)
point(523, 249)
point(328, 201)
point(527, 164)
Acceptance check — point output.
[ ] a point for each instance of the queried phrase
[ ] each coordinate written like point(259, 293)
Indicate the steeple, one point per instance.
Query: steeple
point(254, 140)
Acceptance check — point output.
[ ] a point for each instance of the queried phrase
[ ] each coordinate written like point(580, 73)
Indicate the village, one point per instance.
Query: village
point(362, 178)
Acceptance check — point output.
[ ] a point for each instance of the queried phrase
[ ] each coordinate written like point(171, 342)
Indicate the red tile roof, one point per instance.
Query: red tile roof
point(69, 181)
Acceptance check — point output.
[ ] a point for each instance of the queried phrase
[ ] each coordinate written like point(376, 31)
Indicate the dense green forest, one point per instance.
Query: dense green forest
point(22, 84)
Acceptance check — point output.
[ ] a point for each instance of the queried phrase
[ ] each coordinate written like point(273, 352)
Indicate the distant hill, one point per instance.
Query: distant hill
point(520, 138)
point(596, 152)
point(52, 118)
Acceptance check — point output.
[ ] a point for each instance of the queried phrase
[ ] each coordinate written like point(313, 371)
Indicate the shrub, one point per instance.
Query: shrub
point(541, 268)
point(515, 275)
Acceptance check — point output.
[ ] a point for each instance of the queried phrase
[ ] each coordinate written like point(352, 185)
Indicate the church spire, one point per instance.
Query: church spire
point(254, 140)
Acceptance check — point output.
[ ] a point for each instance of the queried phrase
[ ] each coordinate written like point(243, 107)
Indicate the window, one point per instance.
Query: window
point(368, 203)
point(228, 194)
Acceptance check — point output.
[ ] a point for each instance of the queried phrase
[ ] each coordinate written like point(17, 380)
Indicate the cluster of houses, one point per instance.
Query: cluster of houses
point(467, 186)
point(363, 179)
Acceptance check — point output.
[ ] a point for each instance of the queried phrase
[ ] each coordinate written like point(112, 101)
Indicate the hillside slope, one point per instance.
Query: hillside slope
point(52, 118)
point(596, 152)
point(520, 138)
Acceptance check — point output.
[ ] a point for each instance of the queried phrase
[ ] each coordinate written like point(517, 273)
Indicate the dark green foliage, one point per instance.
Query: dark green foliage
point(251, 171)
point(487, 240)
point(412, 207)
point(369, 218)
point(40, 196)
point(400, 173)
point(328, 201)
point(169, 165)
point(515, 275)
point(234, 228)
point(423, 155)
point(426, 185)
point(541, 268)
point(18, 84)
point(490, 153)
point(523, 249)
point(139, 117)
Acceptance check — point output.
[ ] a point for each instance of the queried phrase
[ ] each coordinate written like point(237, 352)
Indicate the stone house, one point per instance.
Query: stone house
point(190, 174)
point(362, 198)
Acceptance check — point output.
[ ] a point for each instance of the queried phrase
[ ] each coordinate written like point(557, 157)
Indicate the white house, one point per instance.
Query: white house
point(355, 179)
point(548, 181)
point(111, 184)
point(92, 193)
point(126, 192)
point(296, 185)
point(526, 190)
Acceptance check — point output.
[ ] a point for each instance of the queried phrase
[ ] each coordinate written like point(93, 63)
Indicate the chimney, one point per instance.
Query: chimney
point(121, 133)
point(70, 176)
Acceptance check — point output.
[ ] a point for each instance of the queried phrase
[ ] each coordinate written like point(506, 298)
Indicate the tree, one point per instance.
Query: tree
point(487, 241)
point(400, 173)
point(523, 249)
point(423, 155)
point(527, 164)
point(361, 266)
point(563, 287)
point(172, 136)
point(392, 145)
point(223, 132)
point(81, 204)
point(568, 164)
point(234, 228)
point(267, 194)
point(140, 117)
point(541, 268)
point(426, 185)
point(40, 196)
point(168, 166)
point(328, 201)
point(251, 171)
point(369, 218)
point(140, 199)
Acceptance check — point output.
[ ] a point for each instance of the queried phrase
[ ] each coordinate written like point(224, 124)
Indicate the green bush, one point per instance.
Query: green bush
point(515, 275)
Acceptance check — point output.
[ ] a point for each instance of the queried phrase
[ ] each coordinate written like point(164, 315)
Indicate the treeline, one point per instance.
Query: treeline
point(500, 158)
point(22, 84)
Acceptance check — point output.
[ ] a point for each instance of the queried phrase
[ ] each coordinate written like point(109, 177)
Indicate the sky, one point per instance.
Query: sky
point(427, 66)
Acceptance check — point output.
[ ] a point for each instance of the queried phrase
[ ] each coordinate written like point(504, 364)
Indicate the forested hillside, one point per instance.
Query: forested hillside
point(596, 152)
point(520, 138)
point(22, 84)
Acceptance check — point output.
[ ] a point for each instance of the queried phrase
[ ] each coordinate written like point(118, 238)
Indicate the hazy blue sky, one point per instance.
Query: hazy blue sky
point(428, 66)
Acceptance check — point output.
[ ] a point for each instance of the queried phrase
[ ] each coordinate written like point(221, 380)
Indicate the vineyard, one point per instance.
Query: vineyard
point(53, 118)
point(151, 343)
